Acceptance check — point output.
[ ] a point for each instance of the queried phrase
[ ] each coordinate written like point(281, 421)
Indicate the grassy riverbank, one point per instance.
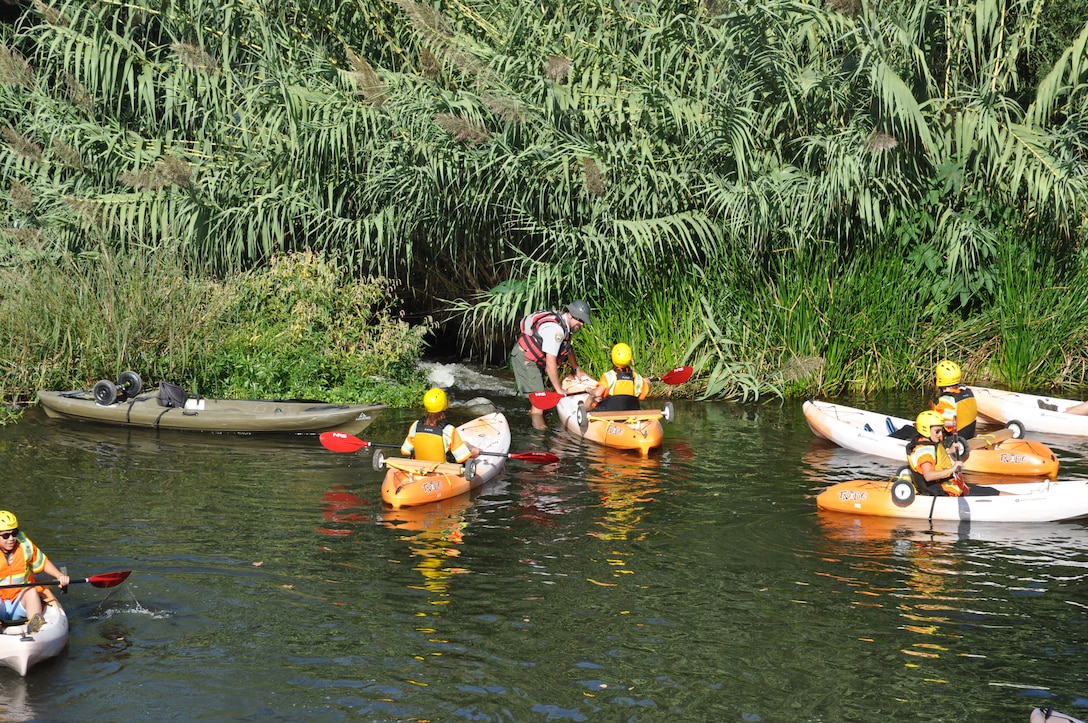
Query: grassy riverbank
point(302, 328)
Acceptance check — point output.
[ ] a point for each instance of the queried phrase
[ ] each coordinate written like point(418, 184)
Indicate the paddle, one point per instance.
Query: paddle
point(106, 579)
point(343, 442)
point(547, 400)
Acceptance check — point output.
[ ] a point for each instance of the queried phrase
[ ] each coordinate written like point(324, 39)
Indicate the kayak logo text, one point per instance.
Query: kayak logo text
point(853, 496)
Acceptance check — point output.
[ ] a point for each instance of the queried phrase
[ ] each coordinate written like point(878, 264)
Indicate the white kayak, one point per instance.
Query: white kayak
point(1035, 413)
point(1047, 501)
point(886, 436)
point(1049, 715)
point(20, 650)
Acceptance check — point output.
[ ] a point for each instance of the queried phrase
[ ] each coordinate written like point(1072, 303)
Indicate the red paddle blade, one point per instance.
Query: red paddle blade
point(545, 400)
point(679, 375)
point(536, 457)
point(109, 579)
point(342, 442)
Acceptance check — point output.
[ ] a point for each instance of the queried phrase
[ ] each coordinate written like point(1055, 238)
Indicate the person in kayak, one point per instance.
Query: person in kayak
point(932, 466)
point(543, 344)
point(434, 439)
point(954, 401)
point(621, 388)
point(22, 560)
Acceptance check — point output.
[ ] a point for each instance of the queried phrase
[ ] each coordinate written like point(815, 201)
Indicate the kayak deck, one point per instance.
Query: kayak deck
point(20, 651)
point(206, 415)
point(410, 482)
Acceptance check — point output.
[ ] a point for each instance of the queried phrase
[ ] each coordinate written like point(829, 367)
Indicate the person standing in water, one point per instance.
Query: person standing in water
point(543, 345)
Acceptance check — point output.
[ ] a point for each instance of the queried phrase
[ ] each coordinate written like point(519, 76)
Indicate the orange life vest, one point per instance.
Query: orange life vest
point(533, 344)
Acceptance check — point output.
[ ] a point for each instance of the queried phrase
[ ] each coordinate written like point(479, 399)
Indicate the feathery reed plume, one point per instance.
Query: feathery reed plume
point(168, 171)
point(50, 14)
point(195, 57)
point(880, 141)
point(558, 68)
point(428, 64)
point(65, 153)
point(14, 69)
point(23, 145)
point(463, 130)
point(21, 196)
point(509, 109)
point(592, 178)
point(78, 95)
point(366, 79)
point(850, 8)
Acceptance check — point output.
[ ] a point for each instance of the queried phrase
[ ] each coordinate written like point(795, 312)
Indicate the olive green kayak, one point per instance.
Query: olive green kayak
point(208, 415)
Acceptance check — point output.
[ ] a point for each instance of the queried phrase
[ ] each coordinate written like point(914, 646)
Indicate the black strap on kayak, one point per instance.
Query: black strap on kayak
point(932, 506)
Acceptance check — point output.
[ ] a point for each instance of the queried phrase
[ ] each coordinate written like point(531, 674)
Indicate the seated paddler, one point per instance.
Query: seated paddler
point(620, 388)
point(930, 458)
point(432, 437)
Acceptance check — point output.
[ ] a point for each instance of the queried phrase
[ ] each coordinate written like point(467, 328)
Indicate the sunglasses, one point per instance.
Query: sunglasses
point(7, 535)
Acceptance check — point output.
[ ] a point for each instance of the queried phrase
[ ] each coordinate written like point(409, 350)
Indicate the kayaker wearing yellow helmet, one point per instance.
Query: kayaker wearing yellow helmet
point(21, 561)
point(543, 344)
point(932, 469)
point(621, 387)
point(434, 439)
point(955, 402)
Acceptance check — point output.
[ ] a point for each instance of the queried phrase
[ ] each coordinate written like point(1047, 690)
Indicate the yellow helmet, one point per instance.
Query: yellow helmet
point(948, 373)
point(8, 521)
point(621, 355)
point(434, 401)
point(927, 420)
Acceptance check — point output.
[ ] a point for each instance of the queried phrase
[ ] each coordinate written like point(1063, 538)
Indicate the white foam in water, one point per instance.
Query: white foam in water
point(462, 379)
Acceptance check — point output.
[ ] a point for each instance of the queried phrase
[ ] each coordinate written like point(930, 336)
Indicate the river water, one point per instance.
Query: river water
point(699, 584)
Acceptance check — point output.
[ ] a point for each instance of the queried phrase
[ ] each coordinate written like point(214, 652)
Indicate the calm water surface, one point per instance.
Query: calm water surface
point(700, 584)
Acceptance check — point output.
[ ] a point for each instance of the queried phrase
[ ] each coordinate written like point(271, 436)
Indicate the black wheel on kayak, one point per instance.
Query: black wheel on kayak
point(470, 470)
point(668, 413)
point(903, 473)
point(378, 460)
point(902, 493)
point(582, 417)
point(130, 383)
point(957, 439)
point(105, 392)
point(1017, 427)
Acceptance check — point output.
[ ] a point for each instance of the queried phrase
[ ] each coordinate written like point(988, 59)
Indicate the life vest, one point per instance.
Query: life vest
point(429, 441)
point(960, 410)
point(625, 389)
point(26, 559)
point(941, 460)
point(436, 442)
point(531, 341)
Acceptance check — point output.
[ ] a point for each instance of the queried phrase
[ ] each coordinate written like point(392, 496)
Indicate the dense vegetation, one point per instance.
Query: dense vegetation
point(794, 196)
point(299, 328)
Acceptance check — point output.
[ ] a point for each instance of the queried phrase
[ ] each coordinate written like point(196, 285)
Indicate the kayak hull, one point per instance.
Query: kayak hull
point(639, 430)
point(1004, 407)
point(20, 652)
point(870, 433)
point(1041, 501)
point(205, 415)
point(410, 482)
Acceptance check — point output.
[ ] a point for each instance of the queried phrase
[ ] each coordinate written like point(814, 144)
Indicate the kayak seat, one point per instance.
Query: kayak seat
point(907, 431)
point(868, 428)
point(890, 425)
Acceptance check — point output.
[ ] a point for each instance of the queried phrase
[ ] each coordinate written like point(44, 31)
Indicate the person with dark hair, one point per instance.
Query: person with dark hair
point(543, 345)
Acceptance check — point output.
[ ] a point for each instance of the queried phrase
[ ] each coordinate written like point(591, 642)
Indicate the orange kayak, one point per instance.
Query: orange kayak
point(638, 429)
point(1040, 501)
point(885, 436)
point(418, 482)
